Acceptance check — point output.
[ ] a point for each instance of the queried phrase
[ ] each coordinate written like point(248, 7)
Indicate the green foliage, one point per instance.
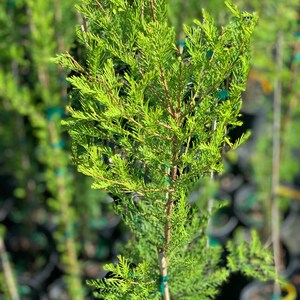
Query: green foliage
point(247, 257)
point(127, 282)
point(154, 67)
point(141, 120)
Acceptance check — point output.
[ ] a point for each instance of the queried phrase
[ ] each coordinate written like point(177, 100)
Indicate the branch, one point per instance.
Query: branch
point(276, 161)
point(171, 109)
point(152, 10)
point(121, 184)
point(165, 125)
point(192, 107)
point(170, 194)
point(80, 67)
point(180, 88)
point(103, 10)
point(109, 92)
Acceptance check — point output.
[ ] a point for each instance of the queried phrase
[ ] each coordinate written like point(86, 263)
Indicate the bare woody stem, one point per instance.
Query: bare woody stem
point(276, 161)
point(8, 273)
point(102, 9)
point(170, 204)
point(152, 10)
point(162, 253)
point(164, 274)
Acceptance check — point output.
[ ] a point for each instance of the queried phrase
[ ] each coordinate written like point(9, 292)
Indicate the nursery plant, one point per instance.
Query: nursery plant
point(31, 93)
point(149, 120)
point(276, 50)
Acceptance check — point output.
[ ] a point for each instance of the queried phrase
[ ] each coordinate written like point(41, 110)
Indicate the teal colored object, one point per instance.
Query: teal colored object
point(213, 242)
point(276, 297)
point(60, 172)
point(223, 95)
point(51, 112)
point(181, 43)
point(59, 145)
point(111, 144)
point(209, 54)
point(297, 56)
point(68, 234)
point(164, 279)
point(10, 4)
point(196, 137)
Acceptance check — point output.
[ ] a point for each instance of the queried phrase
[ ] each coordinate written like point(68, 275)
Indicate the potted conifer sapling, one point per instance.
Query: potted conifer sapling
point(147, 122)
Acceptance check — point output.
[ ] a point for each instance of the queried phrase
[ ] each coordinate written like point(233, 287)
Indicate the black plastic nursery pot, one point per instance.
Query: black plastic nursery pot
point(293, 273)
point(92, 269)
point(257, 290)
point(6, 205)
point(248, 207)
point(294, 278)
point(27, 291)
point(57, 290)
point(232, 288)
point(229, 182)
point(222, 224)
point(98, 242)
point(290, 229)
point(7, 199)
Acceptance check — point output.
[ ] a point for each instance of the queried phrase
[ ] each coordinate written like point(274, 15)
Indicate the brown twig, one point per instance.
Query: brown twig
point(166, 88)
point(152, 10)
point(170, 202)
point(78, 65)
point(180, 87)
point(103, 10)
point(164, 125)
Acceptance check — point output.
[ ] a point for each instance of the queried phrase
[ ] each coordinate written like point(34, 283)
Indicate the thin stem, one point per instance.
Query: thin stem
point(64, 198)
point(79, 66)
point(169, 211)
point(84, 26)
point(166, 88)
point(9, 277)
point(164, 274)
point(212, 178)
point(170, 202)
point(152, 10)
point(180, 87)
point(164, 125)
point(276, 161)
point(103, 10)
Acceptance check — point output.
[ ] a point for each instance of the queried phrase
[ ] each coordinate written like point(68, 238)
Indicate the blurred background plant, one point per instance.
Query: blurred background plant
point(57, 228)
point(57, 231)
